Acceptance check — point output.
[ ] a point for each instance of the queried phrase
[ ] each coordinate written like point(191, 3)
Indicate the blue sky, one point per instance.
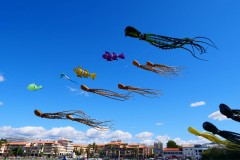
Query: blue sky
point(42, 39)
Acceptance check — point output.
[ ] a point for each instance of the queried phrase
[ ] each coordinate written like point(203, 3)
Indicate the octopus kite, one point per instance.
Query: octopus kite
point(234, 114)
point(107, 93)
point(84, 73)
point(229, 145)
point(142, 91)
point(166, 70)
point(82, 118)
point(158, 68)
point(228, 135)
point(167, 43)
point(98, 125)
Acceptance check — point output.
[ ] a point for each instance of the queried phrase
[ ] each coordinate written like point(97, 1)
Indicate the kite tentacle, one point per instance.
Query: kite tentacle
point(98, 125)
point(146, 67)
point(107, 93)
point(142, 91)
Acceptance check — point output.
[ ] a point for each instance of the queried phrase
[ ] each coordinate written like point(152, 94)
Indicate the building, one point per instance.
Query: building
point(199, 149)
point(188, 150)
point(158, 149)
point(114, 149)
point(173, 153)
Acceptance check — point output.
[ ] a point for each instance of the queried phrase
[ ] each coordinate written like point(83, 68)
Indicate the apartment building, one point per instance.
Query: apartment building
point(173, 153)
point(113, 149)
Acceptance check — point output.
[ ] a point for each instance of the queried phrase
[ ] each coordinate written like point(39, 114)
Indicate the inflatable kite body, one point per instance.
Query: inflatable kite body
point(234, 114)
point(33, 87)
point(84, 73)
point(227, 144)
point(109, 57)
point(231, 136)
point(165, 42)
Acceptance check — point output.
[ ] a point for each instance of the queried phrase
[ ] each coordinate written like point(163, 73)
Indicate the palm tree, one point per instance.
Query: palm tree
point(88, 150)
point(136, 152)
point(81, 150)
point(124, 149)
point(30, 149)
point(55, 151)
point(110, 150)
point(94, 146)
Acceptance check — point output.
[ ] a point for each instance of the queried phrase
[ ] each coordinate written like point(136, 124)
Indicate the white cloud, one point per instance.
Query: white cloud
point(144, 135)
point(89, 136)
point(164, 139)
point(159, 124)
point(147, 141)
point(1, 78)
point(78, 91)
point(197, 104)
point(1, 103)
point(119, 135)
point(217, 116)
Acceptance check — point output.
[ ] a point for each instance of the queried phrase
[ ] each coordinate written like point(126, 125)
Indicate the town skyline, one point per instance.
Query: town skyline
point(43, 40)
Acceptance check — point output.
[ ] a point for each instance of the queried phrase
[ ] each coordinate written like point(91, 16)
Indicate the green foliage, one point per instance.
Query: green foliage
point(172, 144)
point(2, 141)
point(17, 151)
point(77, 152)
point(220, 153)
point(55, 151)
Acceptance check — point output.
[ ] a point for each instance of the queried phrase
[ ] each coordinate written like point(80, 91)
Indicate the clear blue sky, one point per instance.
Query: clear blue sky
point(41, 39)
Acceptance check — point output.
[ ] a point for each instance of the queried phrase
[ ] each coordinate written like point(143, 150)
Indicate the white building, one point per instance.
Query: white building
point(188, 150)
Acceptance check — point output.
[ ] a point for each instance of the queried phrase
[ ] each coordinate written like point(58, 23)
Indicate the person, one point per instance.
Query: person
point(64, 158)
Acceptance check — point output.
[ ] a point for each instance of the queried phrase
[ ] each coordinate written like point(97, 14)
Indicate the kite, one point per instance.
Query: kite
point(107, 93)
point(234, 114)
point(55, 115)
point(167, 70)
point(142, 91)
point(83, 118)
point(156, 68)
point(98, 125)
point(229, 145)
point(33, 87)
point(63, 75)
point(84, 73)
point(228, 135)
point(109, 57)
point(166, 43)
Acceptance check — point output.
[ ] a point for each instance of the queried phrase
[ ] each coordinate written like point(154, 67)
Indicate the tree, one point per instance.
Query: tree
point(81, 150)
point(136, 152)
point(125, 150)
point(17, 151)
point(94, 146)
point(220, 153)
point(77, 152)
point(88, 150)
point(172, 144)
point(55, 151)
point(2, 141)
